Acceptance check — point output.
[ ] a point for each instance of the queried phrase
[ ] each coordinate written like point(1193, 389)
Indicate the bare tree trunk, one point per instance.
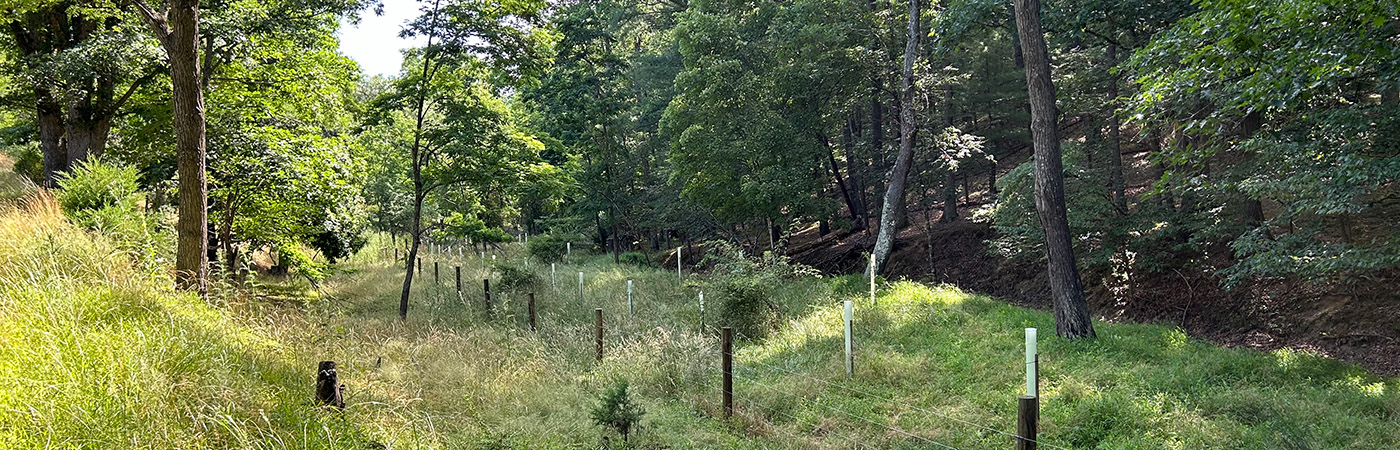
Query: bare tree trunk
point(877, 146)
point(226, 237)
point(950, 184)
point(415, 240)
point(950, 197)
point(894, 196)
point(1071, 312)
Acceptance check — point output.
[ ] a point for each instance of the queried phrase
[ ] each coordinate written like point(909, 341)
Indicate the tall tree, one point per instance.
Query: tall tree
point(177, 28)
point(894, 195)
point(1071, 311)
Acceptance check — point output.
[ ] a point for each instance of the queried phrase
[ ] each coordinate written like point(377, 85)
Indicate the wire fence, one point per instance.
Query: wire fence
point(755, 378)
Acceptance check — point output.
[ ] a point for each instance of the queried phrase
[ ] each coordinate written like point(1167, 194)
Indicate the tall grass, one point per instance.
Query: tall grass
point(98, 353)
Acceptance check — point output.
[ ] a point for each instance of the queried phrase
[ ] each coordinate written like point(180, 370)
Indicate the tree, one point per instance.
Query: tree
point(1071, 311)
point(80, 68)
point(456, 117)
point(177, 29)
point(908, 131)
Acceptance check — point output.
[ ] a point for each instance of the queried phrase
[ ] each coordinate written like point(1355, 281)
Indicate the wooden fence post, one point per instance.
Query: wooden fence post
point(726, 363)
point(459, 279)
point(531, 304)
point(486, 286)
point(598, 331)
point(1027, 414)
point(328, 385)
point(436, 279)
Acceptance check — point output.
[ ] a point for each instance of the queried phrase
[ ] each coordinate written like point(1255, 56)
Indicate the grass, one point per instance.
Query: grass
point(98, 354)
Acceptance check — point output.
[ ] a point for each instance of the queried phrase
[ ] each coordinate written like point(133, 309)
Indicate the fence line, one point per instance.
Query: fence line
point(847, 413)
point(892, 401)
point(888, 400)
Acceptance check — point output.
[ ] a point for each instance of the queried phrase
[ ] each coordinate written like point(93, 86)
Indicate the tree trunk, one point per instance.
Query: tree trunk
point(857, 221)
point(182, 46)
point(1252, 210)
point(1115, 147)
point(226, 237)
point(50, 118)
point(894, 196)
point(950, 186)
point(417, 163)
point(877, 146)
point(1071, 312)
point(950, 197)
point(415, 240)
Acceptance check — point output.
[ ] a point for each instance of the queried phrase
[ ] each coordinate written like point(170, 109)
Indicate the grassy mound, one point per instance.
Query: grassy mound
point(97, 354)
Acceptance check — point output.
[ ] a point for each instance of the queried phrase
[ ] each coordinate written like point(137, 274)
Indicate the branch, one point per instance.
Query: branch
point(155, 19)
point(132, 89)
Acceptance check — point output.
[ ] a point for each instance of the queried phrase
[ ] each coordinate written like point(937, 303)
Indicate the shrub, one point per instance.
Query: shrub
point(638, 259)
point(30, 164)
point(550, 247)
point(513, 276)
point(104, 198)
point(615, 410)
point(747, 286)
point(94, 185)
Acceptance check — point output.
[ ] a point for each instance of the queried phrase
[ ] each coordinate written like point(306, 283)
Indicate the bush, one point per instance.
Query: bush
point(514, 277)
point(550, 247)
point(638, 259)
point(30, 164)
point(615, 410)
point(747, 286)
point(104, 198)
point(94, 185)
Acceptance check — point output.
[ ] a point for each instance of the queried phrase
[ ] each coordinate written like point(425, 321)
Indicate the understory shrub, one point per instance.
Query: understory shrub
point(748, 287)
point(105, 198)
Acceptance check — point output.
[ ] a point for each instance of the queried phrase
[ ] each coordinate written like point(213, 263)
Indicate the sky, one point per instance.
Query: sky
point(375, 41)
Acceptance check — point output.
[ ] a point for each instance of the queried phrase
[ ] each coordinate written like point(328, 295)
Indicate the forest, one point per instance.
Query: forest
point(1194, 201)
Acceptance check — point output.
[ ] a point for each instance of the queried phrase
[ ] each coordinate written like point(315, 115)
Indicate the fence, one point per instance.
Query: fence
point(753, 373)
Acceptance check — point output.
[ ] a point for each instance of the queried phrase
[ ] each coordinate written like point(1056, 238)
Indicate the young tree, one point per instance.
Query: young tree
point(468, 41)
point(177, 28)
point(1071, 312)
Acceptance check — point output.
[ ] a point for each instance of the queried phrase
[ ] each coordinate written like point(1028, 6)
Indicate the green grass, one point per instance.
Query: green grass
point(97, 354)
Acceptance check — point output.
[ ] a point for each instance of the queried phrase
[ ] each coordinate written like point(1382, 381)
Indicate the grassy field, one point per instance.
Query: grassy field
point(96, 353)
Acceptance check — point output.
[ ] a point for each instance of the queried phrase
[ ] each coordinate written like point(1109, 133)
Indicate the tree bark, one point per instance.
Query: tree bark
point(950, 184)
point(857, 221)
point(894, 196)
point(416, 228)
point(877, 146)
point(50, 118)
point(191, 265)
point(178, 32)
point(1071, 312)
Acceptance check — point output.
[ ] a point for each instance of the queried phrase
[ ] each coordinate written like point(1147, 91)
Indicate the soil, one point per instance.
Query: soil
point(1350, 323)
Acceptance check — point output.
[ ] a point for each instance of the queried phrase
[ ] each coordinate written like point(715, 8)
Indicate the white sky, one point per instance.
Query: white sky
point(375, 41)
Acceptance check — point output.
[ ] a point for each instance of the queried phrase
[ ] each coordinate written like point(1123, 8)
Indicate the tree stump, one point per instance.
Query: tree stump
point(328, 385)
